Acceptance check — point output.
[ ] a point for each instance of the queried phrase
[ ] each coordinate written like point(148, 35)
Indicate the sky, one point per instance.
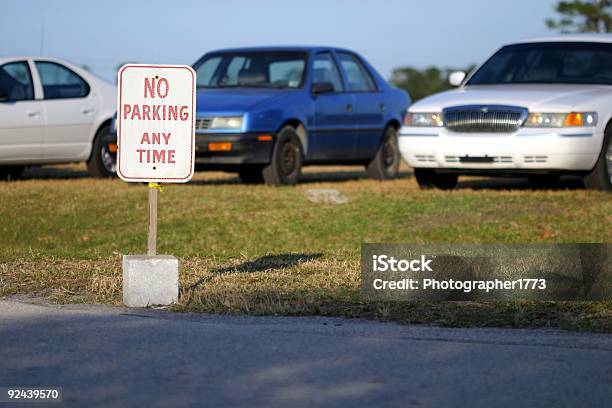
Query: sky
point(389, 33)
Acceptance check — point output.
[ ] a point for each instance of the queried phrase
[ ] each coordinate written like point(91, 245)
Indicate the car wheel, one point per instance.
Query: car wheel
point(428, 178)
point(286, 164)
point(11, 173)
point(251, 175)
point(385, 164)
point(600, 178)
point(103, 159)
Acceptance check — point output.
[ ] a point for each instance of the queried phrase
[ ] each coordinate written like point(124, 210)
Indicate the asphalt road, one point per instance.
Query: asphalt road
point(104, 356)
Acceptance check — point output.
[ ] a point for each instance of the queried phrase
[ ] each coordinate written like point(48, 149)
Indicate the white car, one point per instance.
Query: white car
point(54, 112)
point(539, 108)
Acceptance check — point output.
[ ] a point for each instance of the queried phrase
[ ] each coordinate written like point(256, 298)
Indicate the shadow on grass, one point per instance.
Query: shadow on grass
point(518, 183)
point(269, 262)
point(215, 181)
point(306, 177)
point(264, 263)
point(320, 174)
point(54, 172)
point(342, 175)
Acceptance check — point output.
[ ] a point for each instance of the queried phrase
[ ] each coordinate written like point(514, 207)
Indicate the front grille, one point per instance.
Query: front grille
point(203, 124)
point(484, 119)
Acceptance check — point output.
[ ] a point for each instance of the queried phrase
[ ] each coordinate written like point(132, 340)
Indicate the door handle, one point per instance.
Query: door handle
point(33, 114)
point(349, 107)
point(87, 111)
point(382, 106)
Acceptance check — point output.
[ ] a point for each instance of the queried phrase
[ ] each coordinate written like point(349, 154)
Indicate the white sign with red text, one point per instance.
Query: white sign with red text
point(155, 123)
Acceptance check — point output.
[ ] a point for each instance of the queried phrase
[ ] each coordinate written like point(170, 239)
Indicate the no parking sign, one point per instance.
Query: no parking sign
point(155, 123)
point(155, 129)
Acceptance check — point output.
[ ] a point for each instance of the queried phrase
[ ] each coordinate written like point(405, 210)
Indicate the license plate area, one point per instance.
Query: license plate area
point(476, 159)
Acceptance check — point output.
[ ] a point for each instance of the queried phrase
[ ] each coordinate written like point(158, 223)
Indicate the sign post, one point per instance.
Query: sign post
point(152, 239)
point(155, 137)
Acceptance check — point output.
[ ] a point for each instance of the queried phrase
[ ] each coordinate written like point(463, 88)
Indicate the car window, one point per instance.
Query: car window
point(357, 76)
point(325, 70)
point(548, 63)
point(286, 73)
point(60, 82)
point(16, 82)
point(207, 70)
point(233, 69)
point(252, 69)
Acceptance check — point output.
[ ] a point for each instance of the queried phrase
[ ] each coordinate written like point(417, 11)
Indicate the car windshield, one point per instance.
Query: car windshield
point(548, 63)
point(251, 70)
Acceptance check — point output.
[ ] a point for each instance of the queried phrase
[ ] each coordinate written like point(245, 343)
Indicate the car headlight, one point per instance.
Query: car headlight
point(423, 119)
point(226, 122)
point(557, 120)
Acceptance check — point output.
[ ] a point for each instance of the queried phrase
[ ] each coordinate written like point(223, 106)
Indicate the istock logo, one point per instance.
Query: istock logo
point(383, 263)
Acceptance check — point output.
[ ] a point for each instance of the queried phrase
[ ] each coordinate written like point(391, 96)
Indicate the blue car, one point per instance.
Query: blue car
point(266, 112)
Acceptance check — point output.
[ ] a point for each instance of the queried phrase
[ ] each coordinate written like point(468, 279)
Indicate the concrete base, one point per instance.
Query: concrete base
point(150, 280)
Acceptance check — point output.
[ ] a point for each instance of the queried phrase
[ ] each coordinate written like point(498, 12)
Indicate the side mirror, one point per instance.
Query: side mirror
point(456, 78)
point(3, 95)
point(322, 88)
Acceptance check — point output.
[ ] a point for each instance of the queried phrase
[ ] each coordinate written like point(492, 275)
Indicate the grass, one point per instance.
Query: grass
point(263, 250)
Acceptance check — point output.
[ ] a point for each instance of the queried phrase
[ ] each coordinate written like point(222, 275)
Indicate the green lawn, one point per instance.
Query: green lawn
point(264, 250)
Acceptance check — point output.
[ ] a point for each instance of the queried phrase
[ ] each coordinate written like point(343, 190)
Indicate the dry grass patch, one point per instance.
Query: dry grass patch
point(289, 284)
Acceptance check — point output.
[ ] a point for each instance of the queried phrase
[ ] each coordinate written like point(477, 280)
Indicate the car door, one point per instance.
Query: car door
point(332, 136)
point(368, 104)
point(21, 116)
point(70, 108)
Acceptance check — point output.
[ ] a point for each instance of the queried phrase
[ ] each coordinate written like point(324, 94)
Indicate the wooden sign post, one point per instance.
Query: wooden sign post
point(155, 137)
point(152, 239)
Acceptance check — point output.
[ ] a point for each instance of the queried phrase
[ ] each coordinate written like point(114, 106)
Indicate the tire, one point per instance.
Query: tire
point(600, 178)
point(287, 158)
point(102, 162)
point(428, 178)
point(251, 175)
point(11, 173)
point(385, 164)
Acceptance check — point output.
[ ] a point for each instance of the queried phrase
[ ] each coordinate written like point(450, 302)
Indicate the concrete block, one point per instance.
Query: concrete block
point(150, 280)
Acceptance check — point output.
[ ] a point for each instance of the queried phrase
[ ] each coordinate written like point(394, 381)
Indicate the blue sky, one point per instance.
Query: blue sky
point(389, 33)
